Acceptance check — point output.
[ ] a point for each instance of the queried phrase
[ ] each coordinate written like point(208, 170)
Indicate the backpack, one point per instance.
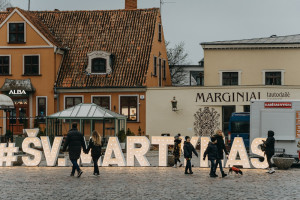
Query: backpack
point(263, 146)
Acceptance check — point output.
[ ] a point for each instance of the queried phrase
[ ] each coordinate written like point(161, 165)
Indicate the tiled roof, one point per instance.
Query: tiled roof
point(127, 34)
point(289, 39)
point(3, 16)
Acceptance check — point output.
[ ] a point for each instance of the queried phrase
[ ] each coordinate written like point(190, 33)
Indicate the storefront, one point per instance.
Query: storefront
point(202, 110)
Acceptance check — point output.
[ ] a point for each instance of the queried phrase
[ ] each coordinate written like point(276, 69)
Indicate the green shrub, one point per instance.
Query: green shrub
point(122, 136)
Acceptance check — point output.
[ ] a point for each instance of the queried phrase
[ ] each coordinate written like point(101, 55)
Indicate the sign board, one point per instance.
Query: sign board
point(278, 105)
point(297, 124)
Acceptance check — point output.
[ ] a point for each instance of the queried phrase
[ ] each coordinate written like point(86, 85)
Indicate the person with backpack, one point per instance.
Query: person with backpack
point(75, 142)
point(212, 152)
point(221, 150)
point(177, 150)
point(270, 150)
point(96, 146)
point(188, 151)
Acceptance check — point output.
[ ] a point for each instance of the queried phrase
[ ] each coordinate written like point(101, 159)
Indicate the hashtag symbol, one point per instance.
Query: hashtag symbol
point(7, 154)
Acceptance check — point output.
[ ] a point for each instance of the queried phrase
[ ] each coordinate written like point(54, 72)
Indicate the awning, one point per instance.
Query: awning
point(17, 85)
point(6, 102)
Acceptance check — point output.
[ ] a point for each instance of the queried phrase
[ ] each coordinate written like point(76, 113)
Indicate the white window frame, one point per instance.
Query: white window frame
point(272, 70)
point(14, 23)
point(92, 96)
point(24, 55)
point(37, 102)
point(138, 106)
point(9, 55)
point(65, 96)
point(221, 76)
point(99, 54)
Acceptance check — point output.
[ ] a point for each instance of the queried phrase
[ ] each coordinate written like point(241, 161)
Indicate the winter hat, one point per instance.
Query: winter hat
point(213, 139)
point(187, 137)
point(270, 133)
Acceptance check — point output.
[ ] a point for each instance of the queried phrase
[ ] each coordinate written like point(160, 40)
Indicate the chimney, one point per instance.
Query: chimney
point(9, 9)
point(130, 4)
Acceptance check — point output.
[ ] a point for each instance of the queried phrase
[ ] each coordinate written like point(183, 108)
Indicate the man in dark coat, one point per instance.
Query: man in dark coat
point(188, 151)
point(270, 150)
point(221, 149)
point(75, 142)
point(212, 152)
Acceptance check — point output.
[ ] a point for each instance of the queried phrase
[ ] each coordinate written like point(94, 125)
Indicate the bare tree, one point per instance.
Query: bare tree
point(177, 57)
point(4, 4)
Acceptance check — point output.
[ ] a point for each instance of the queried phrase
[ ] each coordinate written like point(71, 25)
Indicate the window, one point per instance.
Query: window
point(246, 108)
point(164, 70)
point(41, 109)
point(227, 111)
point(159, 33)
point(197, 78)
point(72, 101)
point(4, 65)
point(103, 101)
point(98, 65)
point(129, 107)
point(273, 78)
point(155, 66)
point(159, 72)
point(31, 65)
point(230, 78)
point(16, 32)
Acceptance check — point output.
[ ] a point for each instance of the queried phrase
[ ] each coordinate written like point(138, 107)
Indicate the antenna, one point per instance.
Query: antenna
point(162, 2)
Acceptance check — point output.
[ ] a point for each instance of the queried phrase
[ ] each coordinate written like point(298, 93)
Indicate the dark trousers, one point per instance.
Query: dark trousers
point(269, 160)
point(176, 159)
point(219, 162)
point(188, 165)
point(75, 166)
point(96, 168)
point(212, 167)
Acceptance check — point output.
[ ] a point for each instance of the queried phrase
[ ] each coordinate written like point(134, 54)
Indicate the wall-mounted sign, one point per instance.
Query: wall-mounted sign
point(278, 104)
point(17, 92)
point(297, 124)
point(227, 97)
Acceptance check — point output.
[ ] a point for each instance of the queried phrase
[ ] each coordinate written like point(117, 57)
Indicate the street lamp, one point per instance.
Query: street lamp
point(174, 104)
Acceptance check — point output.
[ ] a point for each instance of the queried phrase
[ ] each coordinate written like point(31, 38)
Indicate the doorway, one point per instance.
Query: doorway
point(226, 114)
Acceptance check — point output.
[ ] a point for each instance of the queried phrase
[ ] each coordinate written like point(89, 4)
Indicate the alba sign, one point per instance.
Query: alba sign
point(34, 156)
point(17, 92)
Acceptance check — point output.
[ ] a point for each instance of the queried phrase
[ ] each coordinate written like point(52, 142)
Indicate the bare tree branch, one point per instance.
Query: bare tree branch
point(4, 4)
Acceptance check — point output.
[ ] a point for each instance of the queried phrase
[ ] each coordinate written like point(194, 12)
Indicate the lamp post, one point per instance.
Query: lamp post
point(174, 104)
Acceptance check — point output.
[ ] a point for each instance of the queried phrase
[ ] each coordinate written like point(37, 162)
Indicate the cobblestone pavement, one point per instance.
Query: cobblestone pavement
point(145, 183)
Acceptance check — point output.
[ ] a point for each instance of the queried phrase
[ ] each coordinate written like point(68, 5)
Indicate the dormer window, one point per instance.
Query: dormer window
point(16, 33)
point(99, 63)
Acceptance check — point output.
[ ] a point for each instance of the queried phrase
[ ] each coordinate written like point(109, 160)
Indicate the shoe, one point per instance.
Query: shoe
point(223, 174)
point(191, 172)
point(268, 170)
point(272, 171)
point(180, 165)
point(79, 173)
point(186, 173)
point(72, 174)
point(175, 166)
point(213, 176)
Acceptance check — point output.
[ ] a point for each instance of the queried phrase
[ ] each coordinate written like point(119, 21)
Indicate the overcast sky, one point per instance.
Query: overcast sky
point(196, 21)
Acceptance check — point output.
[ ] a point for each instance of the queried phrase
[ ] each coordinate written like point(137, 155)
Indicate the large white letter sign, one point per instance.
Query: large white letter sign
point(32, 139)
point(139, 153)
point(9, 157)
point(194, 142)
point(113, 146)
point(255, 150)
point(163, 143)
point(238, 146)
point(203, 146)
point(51, 154)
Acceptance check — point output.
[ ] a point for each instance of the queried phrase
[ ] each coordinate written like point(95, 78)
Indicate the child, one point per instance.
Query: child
point(212, 152)
point(95, 145)
point(177, 150)
point(188, 151)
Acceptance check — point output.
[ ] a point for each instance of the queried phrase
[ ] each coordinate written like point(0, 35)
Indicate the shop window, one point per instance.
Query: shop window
point(31, 65)
point(226, 114)
point(72, 101)
point(129, 107)
point(164, 70)
point(159, 32)
point(98, 65)
point(273, 78)
point(155, 66)
point(103, 101)
point(4, 65)
point(41, 109)
point(16, 33)
point(246, 108)
point(230, 78)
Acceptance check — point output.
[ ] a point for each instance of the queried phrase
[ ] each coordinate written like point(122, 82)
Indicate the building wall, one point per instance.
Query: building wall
point(251, 63)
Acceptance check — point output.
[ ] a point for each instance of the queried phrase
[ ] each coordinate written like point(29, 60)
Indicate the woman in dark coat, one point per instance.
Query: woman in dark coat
point(177, 150)
point(270, 150)
point(221, 149)
point(75, 142)
point(95, 145)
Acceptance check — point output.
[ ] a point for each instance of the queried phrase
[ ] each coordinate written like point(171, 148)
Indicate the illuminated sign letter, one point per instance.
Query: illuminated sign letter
point(255, 150)
point(113, 146)
point(51, 154)
point(32, 139)
point(238, 147)
point(163, 143)
point(139, 153)
point(203, 145)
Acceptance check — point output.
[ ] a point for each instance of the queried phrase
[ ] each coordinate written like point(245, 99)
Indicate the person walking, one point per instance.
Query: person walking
point(75, 142)
point(221, 149)
point(188, 151)
point(177, 150)
point(212, 152)
point(95, 145)
point(270, 150)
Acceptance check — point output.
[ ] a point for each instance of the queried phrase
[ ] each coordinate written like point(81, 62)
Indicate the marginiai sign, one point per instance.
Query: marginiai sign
point(33, 156)
point(221, 97)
